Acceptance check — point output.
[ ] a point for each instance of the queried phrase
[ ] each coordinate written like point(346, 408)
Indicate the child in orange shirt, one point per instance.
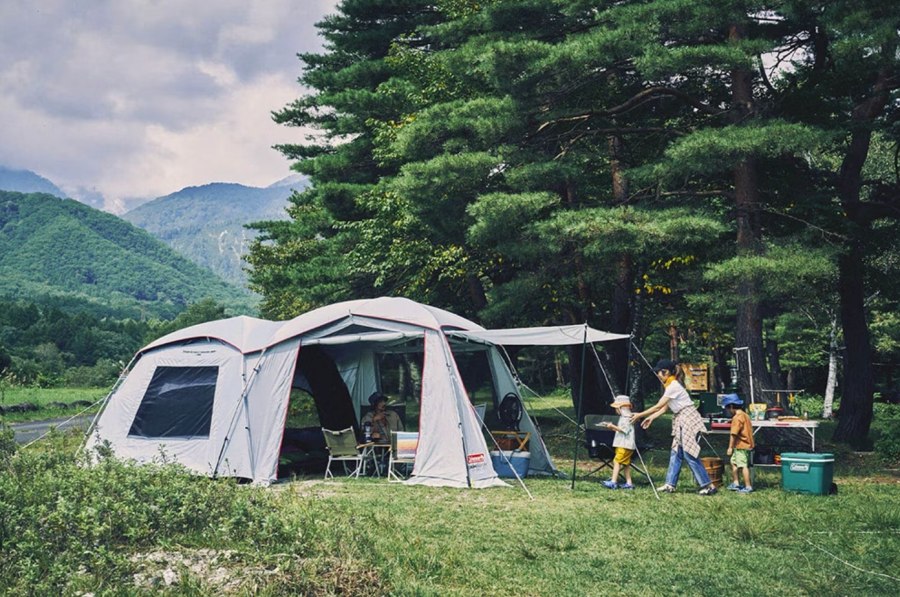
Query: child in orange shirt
point(740, 442)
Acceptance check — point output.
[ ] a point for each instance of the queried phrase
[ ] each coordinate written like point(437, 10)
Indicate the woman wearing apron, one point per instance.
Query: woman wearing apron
point(687, 425)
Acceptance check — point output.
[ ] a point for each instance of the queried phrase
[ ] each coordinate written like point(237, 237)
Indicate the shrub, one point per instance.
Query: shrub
point(886, 431)
point(7, 445)
point(66, 527)
point(101, 375)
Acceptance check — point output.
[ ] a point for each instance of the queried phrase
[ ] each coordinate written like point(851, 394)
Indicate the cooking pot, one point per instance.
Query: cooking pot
point(773, 412)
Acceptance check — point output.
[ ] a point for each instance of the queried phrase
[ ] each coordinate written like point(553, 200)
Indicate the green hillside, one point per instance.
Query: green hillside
point(65, 249)
point(206, 223)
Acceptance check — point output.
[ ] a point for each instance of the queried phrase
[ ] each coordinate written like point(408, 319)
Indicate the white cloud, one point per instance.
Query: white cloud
point(144, 97)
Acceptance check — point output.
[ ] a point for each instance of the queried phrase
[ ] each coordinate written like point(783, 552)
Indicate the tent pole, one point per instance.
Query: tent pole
point(122, 375)
point(450, 363)
point(241, 402)
point(578, 405)
point(644, 464)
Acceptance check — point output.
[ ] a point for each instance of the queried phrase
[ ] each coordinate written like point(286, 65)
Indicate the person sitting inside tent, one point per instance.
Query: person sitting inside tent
point(381, 419)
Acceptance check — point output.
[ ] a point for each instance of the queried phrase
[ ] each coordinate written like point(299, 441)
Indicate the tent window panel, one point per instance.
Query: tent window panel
point(178, 403)
point(400, 374)
point(475, 369)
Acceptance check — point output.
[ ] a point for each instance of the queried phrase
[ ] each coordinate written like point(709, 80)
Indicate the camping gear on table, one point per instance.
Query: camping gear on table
point(773, 412)
point(757, 411)
point(719, 423)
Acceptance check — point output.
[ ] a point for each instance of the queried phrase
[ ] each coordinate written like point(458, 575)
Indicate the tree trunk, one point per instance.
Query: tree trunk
point(637, 362)
point(857, 397)
point(721, 372)
point(560, 374)
point(623, 288)
point(476, 292)
point(775, 364)
point(673, 342)
point(747, 213)
point(828, 409)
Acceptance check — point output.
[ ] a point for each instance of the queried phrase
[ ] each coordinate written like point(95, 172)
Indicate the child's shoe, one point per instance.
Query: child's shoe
point(745, 490)
point(667, 488)
point(610, 484)
point(708, 490)
point(734, 487)
point(626, 486)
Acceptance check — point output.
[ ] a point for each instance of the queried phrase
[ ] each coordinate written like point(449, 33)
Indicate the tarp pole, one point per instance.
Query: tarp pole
point(122, 375)
point(578, 405)
point(242, 401)
point(450, 364)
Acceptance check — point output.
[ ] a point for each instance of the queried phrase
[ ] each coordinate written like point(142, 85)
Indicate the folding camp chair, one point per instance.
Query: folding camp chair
point(403, 451)
point(599, 442)
point(342, 446)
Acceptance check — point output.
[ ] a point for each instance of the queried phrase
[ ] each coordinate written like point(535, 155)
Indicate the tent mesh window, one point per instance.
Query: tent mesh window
point(178, 403)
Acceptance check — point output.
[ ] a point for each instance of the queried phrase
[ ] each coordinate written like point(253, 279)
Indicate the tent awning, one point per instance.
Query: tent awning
point(540, 336)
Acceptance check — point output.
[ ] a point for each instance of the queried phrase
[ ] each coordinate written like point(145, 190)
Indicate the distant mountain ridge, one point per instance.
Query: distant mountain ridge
point(206, 223)
point(63, 248)
point(26, 181)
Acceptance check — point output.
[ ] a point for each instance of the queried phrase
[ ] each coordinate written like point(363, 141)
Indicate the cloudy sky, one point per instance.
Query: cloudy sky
point(141, 98)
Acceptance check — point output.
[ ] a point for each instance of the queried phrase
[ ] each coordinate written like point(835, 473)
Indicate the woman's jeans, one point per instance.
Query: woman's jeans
point(675, 459)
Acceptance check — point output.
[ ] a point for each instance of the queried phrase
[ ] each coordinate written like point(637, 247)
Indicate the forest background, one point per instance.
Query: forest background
point(703, 177)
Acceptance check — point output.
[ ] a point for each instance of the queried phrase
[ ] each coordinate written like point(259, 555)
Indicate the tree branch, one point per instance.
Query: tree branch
point(653, 93)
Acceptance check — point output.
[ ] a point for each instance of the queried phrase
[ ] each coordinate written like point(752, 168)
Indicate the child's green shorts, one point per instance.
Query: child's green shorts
point(740, 458)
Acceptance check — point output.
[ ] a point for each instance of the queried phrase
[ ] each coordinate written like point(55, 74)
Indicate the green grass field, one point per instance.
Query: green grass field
point(118, 529)
point(50, 402)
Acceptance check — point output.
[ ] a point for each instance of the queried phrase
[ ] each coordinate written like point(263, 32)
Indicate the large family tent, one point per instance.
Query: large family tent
point(214, 397)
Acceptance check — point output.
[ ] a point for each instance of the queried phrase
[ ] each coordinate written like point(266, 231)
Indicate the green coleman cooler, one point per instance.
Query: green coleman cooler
point(807, 473)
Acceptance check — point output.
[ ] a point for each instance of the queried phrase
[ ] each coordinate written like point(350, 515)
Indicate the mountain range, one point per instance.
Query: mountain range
point(60, 249)
point(26, 181)
point(156, 258)
point(207, 223)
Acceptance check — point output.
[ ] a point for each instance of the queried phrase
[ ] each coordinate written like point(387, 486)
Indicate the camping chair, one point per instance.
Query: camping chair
point(509, 414)
point(403, 451)
point(342, 446)
point(599, 441)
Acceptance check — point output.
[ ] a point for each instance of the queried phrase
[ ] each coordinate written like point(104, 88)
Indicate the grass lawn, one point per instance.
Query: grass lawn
point(370, 537)
point(51, 402)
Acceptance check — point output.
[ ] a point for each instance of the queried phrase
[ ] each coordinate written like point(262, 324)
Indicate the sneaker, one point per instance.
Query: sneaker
point(667, 489)
point(626, 486)
point(745, 490)
point(610, 484)
point(708, 490)
point(734, 487)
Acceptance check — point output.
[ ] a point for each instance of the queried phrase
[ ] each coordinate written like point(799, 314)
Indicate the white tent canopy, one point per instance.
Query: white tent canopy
point(214, 397)
point(541, 336)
